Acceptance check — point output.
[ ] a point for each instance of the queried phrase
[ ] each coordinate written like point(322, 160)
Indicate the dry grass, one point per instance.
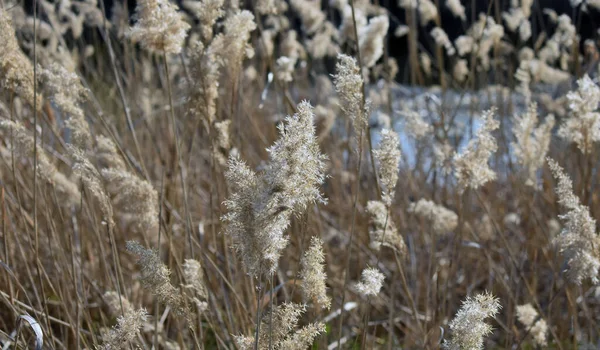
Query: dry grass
point(220, 185)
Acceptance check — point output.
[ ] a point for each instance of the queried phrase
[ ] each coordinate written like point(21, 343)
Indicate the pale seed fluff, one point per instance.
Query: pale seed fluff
point(442, 154)
point(426, 63)
point(313, 275)
point(257, 229)
point(370, 40)
point(208, 12)
point(284, 69)
point(401, 31)
point(370, 283)
point(156, 278)
point(310, 13)
point(282, 333)
point(194, 277)
point(441, 39)
point(387, 155)
point(107, 154)
point(442, 220)
point(464, 44)
point(204, 66)
point(525, 30)
point(427, 11)
point(22, 144)
point(348, 83)
point(297, 167)
point(382, 230)
point(126, 330)
point(222, 140)
point(513, 18)
point(415, 125)
point(114, 303)
point(457, 9)
point(159, 26)
point(134, 196)
point(260, 205)
point(578, 241)
point(471, 167)
point(531, 142)
point(537, 327)
point(16, 70)
point(91, 179)
point(346, 29)
point(238, 28)
point(583, 125)
point(67, 93)
point(460, 71)
point(468, 327)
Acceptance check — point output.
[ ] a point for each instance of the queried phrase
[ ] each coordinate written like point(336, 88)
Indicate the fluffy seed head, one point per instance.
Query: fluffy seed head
point(471, 166)
point(348, 83)
point(107, 154)
point(134, 196)
point(468, 328)
point(371, 282)
point(441, 39)
point(67, 93)
point(90, 176)
point(387, 155)
point(238, 28)
point(205, 63)
point(382, 230)
point(282, 333)
point(583, 126)
point(127, 328)
point(370, 40)
point(16, 70)
point(578, 241)
point(528, 316)
point(159, 26)
point(313, 275)
point(260, 205)
point(532, 142)
point(194, 276)
point(208, 12)
point(156, 278)
point(442, 220)
point(23, 145)
point(111, 298)
point(457, 9)
point(415, 125)
point(297, 167)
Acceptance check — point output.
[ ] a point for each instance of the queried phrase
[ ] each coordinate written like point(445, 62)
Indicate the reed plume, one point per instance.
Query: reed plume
point(159, 26)
point(578, 241)
point(468, 326)
point(15, 68)
point(156, 278)
point(313, 275)
point(382, 230)
point(528, 316)
point(370, 283)
point(260, 205)
point(471, 166)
